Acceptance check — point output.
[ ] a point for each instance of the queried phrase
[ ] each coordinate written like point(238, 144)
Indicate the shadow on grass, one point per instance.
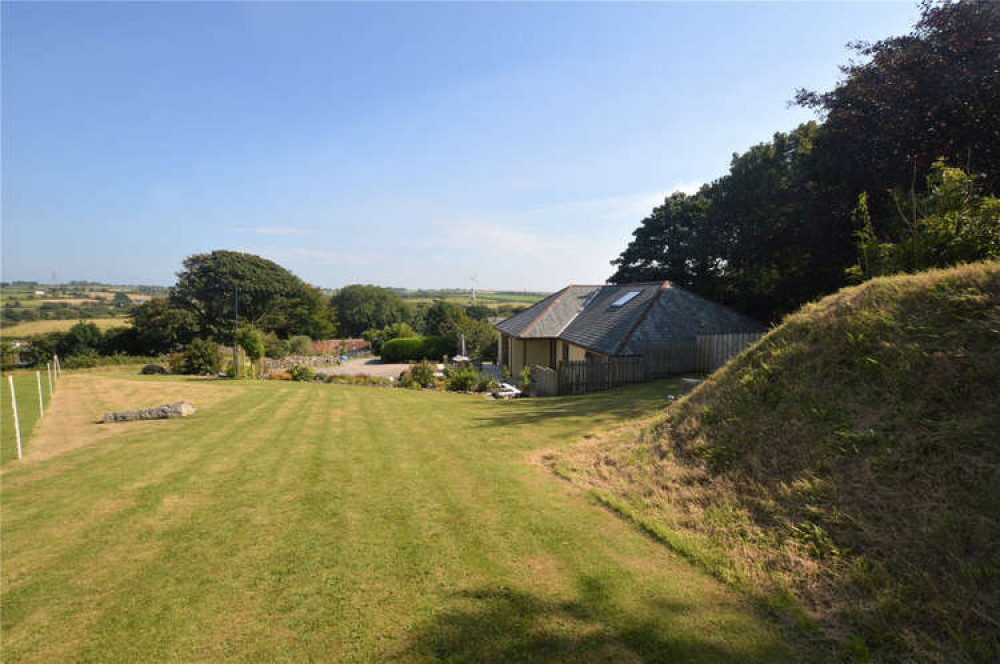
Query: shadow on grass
point(618, 404)
point(497, 624)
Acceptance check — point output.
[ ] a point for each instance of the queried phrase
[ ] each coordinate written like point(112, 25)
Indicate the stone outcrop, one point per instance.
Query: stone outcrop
point(166, 411)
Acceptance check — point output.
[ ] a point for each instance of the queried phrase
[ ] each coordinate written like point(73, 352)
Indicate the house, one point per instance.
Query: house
point(581, 322)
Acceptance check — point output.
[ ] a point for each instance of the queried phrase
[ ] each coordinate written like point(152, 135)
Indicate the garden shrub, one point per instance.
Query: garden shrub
point(300, 372)
point(422, 373)
point(300, 345)
point(462, 380)
point(201, 358)
point(274, 347)
point(405, 349)
point(280, 375)
point(485, 383)
point(85, 359)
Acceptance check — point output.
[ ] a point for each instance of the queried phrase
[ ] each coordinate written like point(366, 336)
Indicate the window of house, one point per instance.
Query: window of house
point(625, 299)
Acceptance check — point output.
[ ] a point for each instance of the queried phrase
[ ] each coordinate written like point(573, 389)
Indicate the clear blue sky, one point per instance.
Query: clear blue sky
point(399, 144)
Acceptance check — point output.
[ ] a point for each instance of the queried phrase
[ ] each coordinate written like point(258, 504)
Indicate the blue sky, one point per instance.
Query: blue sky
point(407, 145)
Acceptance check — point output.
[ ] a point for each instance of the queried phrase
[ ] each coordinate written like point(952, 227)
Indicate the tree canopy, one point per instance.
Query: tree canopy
point(270, 297)
point(779, 229)
point(361, 308)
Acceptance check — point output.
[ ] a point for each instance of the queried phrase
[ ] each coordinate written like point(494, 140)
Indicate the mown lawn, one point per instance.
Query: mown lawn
point(309, 522)
point(26, 391)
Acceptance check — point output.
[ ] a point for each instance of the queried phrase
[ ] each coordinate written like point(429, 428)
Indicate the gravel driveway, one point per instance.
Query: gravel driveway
point(370, 366)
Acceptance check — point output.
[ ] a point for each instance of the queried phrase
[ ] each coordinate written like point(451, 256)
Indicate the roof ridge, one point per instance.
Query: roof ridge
point(576, 314)
point(664, 285)
point(555, 298)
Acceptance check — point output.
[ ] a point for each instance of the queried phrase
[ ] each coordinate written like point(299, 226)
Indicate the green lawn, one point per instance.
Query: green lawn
point(309, 522)
point(26, 390)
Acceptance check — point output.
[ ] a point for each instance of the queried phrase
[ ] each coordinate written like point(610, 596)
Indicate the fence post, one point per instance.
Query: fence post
point(48, 370)
point(17, 424)
point(41, 404)
point(58, 366)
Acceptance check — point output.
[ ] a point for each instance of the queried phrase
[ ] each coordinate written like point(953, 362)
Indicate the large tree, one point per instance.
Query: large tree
point(268, 294)
point(777, 230)
point(361, 308)
point(756, 239)
point(910, 100)
point(162, 327)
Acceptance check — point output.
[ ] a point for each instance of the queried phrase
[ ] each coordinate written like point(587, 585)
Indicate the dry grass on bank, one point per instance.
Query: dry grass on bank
point(847, 467)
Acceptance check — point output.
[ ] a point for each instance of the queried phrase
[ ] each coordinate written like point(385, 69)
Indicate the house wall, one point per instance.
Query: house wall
point(519, 352)
point(515, 353)
point(576, 353)
point(538, 352)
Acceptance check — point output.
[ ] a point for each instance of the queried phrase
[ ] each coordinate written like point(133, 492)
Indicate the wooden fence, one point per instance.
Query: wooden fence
point(703, 354)
point(717, 349)
point(598, 374)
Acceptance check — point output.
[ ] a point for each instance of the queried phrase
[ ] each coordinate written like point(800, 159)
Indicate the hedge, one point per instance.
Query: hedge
point(405, 349)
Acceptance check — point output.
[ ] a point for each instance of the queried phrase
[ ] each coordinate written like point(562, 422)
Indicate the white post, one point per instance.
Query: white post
point(48, 370)
point(17, 425)
point(41, 404)
point(58, 366)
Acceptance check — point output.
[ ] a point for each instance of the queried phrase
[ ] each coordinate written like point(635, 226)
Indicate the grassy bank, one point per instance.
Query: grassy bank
point(298, 522)
point(850, 461)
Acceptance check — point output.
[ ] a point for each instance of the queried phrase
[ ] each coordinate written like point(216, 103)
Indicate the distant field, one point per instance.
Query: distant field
point(303, 522)
point(43, 326)
point(489, 299)
point(36, 303)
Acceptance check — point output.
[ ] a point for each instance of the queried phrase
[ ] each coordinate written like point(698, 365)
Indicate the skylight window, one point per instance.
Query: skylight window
point(625, 299)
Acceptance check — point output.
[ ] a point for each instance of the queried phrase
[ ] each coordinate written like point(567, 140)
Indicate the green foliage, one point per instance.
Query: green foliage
point(951, 223)
point(406, 349)
point(302, 373)
point(462, 380)
point(906, 101)
point(525, 378)
point(121, 300)
point(361, 308)
point(79, 339)
point(84, 359)
point(395, 331)
point(305, 311)
point(202, 357)
point(252, 342)
point(422, 373)
point(775, 231)
point(300, 345)
point(163, 327)
point(122, 340)
point(485, 383)
point(269, 295)
point(752, 240)
point(450, 320)
point(274, 347)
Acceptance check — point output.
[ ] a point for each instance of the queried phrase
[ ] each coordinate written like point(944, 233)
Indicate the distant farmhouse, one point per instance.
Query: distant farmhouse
point(585, 322)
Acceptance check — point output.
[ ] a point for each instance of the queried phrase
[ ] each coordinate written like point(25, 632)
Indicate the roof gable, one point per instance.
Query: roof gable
point(605, 319)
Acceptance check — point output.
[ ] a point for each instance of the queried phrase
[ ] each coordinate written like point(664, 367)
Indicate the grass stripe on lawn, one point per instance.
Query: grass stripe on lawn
point(298, 522)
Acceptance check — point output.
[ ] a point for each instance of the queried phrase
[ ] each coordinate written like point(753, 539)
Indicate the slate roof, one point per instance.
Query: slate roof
point(660, 315)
